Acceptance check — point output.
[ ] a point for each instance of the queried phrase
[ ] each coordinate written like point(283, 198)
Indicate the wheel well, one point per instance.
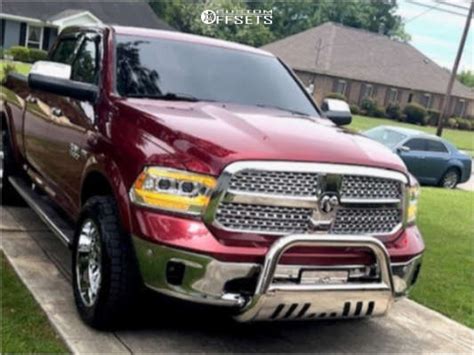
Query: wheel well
point(95, 184)
point(454, 167)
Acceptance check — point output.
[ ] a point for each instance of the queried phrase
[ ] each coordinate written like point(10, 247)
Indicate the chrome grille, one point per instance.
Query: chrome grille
point(275, 182)
point(271, 198)
point(260, 218)
point(369, 187)
point(366, 220)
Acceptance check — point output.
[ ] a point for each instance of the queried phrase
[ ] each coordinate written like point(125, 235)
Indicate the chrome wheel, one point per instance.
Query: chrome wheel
point(450, 179)
point(88, 263)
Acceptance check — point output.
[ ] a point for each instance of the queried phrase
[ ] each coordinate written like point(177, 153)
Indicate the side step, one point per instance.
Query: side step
point(42, 206)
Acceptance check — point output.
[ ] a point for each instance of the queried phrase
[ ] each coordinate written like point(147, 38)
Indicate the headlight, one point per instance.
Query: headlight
point(413, 193)
point(172, 190)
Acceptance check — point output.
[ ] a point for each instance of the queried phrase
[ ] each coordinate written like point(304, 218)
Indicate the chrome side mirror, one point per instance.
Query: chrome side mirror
point(51, 69)
point(403, 149)
point(337, 111)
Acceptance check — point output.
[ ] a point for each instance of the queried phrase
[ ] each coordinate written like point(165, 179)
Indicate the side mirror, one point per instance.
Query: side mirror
point(403, 149)
point(54, 78)
point(337, 111)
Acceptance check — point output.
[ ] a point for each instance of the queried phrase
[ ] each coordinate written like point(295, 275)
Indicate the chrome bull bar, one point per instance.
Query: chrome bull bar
point(277, 301)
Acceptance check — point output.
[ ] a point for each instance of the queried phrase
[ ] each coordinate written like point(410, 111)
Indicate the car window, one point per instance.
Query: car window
point(64, 52)
point(387, 137)
point(435, 146)
point(84, 68)
point(416, 144)
point(153, 67)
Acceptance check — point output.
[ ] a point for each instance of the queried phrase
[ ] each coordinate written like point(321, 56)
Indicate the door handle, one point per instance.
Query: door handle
point(56, 112)
point(31, 99)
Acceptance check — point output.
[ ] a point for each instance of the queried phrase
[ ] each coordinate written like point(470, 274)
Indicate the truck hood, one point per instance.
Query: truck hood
point(208, 136)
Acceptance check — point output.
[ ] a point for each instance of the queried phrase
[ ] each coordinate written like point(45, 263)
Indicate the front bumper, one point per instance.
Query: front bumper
point(273, 291)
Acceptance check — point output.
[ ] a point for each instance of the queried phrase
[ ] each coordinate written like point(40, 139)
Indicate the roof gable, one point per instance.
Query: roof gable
point(363, 55)
point(131, 13)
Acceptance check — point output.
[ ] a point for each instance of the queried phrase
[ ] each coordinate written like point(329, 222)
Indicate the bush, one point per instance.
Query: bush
point(37, 54)
point(378, 112)
point(393, 111)
point(452, 122)
point(415, 114)
point(20, 54)
point(336, 95)
point(433, 116)
point(7, 69)
point(367, 105)
point(463, 123)
point(355, 109)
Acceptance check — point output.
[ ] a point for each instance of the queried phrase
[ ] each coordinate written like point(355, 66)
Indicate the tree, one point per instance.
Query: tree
point(466, 77)
point(289, 17)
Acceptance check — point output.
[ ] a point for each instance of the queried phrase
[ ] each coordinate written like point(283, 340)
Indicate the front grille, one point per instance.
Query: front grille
point(369, 187)
point(282, 202)
point(260, 218)
point(366, 220)
point(275, 182)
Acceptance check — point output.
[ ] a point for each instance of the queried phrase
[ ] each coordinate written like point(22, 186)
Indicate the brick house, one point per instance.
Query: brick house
point(359, 64)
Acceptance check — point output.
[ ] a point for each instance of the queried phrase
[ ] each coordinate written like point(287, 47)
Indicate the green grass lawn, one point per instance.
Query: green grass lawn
point(20, 67)
point(446, 283)
point(463, 140)
point(24, 327)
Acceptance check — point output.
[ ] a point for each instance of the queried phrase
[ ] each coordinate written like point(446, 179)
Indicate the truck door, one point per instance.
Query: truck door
point(57, 127)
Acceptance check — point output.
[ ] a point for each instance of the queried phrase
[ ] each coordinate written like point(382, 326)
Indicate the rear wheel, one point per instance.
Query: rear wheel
point(450, 178)
point(10, 196)
point(106, 280)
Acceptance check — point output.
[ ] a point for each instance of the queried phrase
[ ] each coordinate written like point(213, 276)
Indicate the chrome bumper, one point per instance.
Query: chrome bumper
point(276, 295)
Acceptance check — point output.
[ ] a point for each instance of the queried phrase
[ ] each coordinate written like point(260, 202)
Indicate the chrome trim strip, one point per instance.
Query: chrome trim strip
point(315, 168)
point(387, 201)
point(44, 217)
point(269, 199)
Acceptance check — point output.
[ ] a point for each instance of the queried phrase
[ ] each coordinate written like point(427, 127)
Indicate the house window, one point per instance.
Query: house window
point(368, 91)
point(34, 36)
point(426, 100)
point(341, 87)
point(460, 107)
point(393, 95)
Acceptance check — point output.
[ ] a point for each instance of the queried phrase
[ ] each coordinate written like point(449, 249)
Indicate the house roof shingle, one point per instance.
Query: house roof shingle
point(362, 55)
point(131, 13)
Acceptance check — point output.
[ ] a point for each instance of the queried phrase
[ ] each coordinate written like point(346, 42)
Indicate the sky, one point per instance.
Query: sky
point(437, 34)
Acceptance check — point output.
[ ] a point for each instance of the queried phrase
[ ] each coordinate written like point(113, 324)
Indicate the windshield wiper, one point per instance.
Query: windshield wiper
point(293, 112)
point(171, 96)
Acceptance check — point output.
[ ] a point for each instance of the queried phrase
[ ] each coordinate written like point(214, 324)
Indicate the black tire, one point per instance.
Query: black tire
point(120, 284)
point(450, 178)
point(10, 196)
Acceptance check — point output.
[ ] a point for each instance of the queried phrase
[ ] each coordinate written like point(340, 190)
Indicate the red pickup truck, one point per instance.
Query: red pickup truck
point(204, 170)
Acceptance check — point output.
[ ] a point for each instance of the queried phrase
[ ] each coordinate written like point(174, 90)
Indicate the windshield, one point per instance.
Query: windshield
point(385, 136)
point(150, 67)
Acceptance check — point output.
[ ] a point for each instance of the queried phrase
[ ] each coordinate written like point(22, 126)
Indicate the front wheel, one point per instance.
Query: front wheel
point(450, 179)
point(106, 280)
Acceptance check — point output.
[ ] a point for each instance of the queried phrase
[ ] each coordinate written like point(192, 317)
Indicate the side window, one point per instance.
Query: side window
point(84, 67)
point(64, 52)
point(435, 146)
point(416, 144)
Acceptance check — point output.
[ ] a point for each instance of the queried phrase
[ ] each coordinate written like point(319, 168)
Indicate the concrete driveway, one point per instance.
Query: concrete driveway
point(162, 326)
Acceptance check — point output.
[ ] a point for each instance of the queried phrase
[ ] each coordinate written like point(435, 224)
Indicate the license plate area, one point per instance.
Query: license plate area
point(324, 277)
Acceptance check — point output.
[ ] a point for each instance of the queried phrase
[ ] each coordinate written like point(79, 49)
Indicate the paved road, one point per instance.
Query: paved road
point(42, 263)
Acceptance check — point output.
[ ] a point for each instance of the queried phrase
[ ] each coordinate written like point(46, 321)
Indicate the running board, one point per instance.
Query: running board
point(40, 204)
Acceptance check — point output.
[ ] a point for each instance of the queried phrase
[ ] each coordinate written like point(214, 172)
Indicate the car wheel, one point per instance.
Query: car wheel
point(10, 196)
point(450, 179)
point(106, 280)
